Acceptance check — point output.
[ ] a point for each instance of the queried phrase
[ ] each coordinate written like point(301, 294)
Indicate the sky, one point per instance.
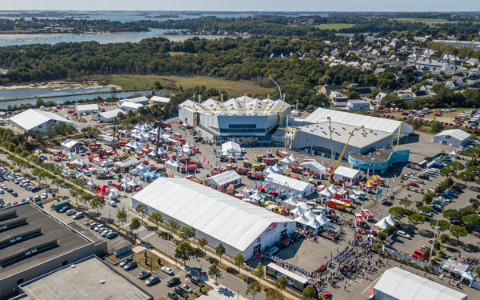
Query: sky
point(245, 5)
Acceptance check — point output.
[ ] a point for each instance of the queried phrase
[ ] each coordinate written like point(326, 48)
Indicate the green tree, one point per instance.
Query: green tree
point(382, 236)
point(466, 176)
point(238, 260)
point(436, 127)
point(74, 192)
point(156, 217)
point(451, 214)
point(447, 172)
point(259, 272)
point(253, 289)
point(281, 282)
point(157, 85)
point(471, 219)
point(135, 224)
point(214, 271)
point(184, 252)
point(186, 232)
point(456, 166)
point(85, 198)
point(428, 198)
point(308, 293)
point(174, 225)
point(397, 212)
point(122, 217)
point(142, 209)
point(443, 225)
point(220, 250)
point(97, 203)
point(444, 238)
point(273, 294)
point(405, 202)
point(416, 219)
point(458, 231)
point(203, 242)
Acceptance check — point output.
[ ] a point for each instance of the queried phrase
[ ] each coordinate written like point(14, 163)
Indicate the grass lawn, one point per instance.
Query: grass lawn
point(233, 88)
point(149, 262)
point(428, 21)
point(336, 26)
point(113, 258)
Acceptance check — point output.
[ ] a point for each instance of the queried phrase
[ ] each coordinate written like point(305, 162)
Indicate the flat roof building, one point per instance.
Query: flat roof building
point(243, 120)
point(86, 109)
point(108, 116)
point(130, 106)
point(220, 218)
point(36, 120)
point(453, 137)
point(158, 99)
point(297, 188)
point(221, 181)
point(89, 278)
point(33, 243)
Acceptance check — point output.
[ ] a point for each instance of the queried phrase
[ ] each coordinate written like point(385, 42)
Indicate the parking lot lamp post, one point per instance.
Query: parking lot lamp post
point(433, 242)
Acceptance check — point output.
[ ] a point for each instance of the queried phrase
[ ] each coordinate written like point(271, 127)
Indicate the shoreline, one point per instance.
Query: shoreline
point(91, 84)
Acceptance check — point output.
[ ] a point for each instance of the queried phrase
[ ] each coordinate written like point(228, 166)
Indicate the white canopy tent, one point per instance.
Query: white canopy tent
point(187, 145)
point(277, 169)
point(304, 206)
point(70, 156)
point(290, 203)
point(285, 162)
point(310, 215)
point(323, 221)
point(293, 158)
point(314, 224)
point(381, 224)
point(302, 220)
point(133, 182)
point(257, 196)
point(390, 220)
point(79, 162)
point(269, 170)
point(299, 211)
point(231, 148)
point(314, 166)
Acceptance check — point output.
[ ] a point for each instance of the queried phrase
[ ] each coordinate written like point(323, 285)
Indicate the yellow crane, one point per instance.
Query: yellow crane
point(330, 178)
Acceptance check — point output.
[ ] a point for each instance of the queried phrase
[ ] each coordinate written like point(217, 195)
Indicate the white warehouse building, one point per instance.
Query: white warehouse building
point(453, 137)
point(36, 120)
point(86, 109)
point(220, 218)
point(243, 120)
point(312, 134)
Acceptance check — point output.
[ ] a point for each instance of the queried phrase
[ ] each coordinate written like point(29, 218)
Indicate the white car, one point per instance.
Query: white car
point(168, 271)
point(44, 196)
point(112, 203)
point(187, 288)
point(403, 234)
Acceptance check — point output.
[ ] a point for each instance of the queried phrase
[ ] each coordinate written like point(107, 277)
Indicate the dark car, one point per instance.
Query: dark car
point(423, 176)
point(196, 280)
point(173, 281)
point(172, 295)
point(152, 280)
point(179, 290)
point(456, 222)
point(124, 262)
point(130, 266)
point(144, 275)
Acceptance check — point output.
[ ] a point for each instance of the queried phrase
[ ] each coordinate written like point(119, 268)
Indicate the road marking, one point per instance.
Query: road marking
point(151, 234)
point(368, 287)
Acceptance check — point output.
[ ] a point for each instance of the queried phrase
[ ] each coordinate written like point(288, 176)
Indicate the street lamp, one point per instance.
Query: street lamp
point(332, 155)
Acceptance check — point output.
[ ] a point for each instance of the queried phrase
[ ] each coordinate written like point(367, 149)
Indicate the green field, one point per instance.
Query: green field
point(428, 21)
point(335, 26)
point(233, 88)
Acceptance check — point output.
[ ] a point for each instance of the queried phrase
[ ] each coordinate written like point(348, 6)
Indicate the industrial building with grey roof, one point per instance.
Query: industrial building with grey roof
point(32, 243)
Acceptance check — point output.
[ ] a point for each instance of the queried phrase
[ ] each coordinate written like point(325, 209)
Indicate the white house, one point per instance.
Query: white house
point(108, 116)
point(130, 106)
point(357, 105)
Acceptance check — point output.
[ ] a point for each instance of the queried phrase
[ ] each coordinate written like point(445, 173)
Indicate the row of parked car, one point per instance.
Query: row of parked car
point(22, 182)
point(103, 230)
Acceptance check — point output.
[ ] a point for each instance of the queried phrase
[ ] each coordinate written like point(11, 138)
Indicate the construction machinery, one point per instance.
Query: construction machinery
point(330, 178)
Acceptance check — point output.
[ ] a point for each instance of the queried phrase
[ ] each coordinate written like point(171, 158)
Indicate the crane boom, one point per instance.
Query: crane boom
point(330, 178)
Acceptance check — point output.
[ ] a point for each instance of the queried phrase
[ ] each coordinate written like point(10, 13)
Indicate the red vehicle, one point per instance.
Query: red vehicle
point(242, 170)
point(270, 161)
point(281, 153)
point(255, 175)
point(414, 184)
point(336, 204)
point(188, 168)
point(367, 214)
point(360, 219)
point(418, 254)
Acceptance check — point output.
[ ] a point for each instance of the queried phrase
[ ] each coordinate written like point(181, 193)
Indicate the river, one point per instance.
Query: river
point(60, 100)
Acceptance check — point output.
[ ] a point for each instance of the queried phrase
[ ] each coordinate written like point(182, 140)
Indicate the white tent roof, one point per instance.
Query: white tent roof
point(224, 178)
point(70, 156)
point(322, 220)
point(177, 164)
point(302, 220)
point(314, 166)
point(314, 223)
point(257, 196)
point(288, 182)
point(187, 145)
point(78, 161)
point(269, 170)
point(285, 161)
point(160, 99)
point(326, 192)
point(346, 172)
point(133, 182)
point(171, 163)
point(390, 220)
point(332, 188)
point(292, 157)
point(125, 180)
point(310, 215)
point(277, 169)
point(231, 147)
point(223, 217)
point(141, 166)
point(304, 206)
point(138, 126)
point(396, 283)
point(291, 201)
point(299, 211)
point(381, 224)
